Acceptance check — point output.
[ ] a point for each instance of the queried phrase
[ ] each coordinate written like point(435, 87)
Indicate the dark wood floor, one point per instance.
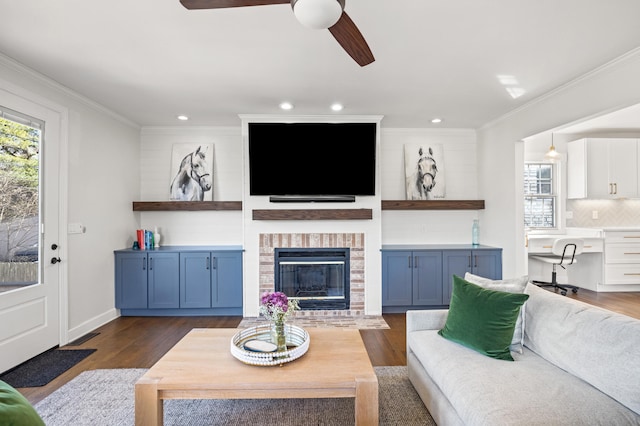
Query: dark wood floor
point(138, 342)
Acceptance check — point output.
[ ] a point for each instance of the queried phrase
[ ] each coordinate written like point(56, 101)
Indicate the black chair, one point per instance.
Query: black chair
point(563, 253)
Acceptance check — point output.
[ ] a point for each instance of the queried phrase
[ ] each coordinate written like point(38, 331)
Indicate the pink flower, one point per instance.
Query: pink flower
point(275, 305)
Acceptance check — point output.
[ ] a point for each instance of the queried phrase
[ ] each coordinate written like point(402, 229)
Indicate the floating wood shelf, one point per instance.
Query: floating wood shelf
point(313, 214)
point(139, 206)
point(432, 204)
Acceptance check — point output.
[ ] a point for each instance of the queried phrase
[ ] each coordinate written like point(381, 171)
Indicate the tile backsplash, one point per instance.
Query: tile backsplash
point(611, 213)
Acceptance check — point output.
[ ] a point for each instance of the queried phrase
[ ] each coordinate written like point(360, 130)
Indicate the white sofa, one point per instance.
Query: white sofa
point(580, 366)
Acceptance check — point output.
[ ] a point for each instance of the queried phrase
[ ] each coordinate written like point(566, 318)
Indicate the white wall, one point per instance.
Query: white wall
point(501, 152)
point(103, 179)
point(200, 227)
point(460, 173)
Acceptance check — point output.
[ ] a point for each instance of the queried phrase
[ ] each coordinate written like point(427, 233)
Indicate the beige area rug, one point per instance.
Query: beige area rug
point(342, 321)
point(106, 398)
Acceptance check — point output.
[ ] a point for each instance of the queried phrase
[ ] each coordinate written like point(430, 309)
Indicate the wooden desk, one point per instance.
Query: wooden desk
point(200, 366)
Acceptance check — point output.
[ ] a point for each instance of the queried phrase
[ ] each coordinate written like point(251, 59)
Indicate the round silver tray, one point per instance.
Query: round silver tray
point(297, 345)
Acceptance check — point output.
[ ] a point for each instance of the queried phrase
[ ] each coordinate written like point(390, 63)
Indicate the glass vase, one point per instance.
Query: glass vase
point(278, 336)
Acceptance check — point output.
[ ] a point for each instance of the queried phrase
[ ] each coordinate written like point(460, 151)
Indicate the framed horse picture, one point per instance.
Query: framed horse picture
point(423, 169)
point(191, 172)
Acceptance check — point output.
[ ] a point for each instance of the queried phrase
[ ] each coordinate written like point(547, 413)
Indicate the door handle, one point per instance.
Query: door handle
point(55, 260)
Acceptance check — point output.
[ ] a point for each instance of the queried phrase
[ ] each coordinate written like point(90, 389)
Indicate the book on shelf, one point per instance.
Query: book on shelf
point(145, 239)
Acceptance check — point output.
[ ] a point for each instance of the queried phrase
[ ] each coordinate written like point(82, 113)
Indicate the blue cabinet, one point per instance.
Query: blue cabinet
point(210, 280)
point(179, 281)
point(146, 280)
point(485, 263)
point(411, 278)
point(417, 277)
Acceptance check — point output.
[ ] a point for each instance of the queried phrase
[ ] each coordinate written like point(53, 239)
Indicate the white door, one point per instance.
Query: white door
point(31, 314)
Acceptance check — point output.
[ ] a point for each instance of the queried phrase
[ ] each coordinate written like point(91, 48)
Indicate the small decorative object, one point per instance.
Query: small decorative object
point(135, 246)
point(156, 237)
point(253, 345)
point(475, 233)
point(277, 307)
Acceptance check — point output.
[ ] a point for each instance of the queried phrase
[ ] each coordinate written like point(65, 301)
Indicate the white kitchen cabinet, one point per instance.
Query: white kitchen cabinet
point(622, 257)
point(603, 168)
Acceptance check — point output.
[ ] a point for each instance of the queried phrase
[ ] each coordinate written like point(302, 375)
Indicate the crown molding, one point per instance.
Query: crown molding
point(631, 55)
point(14, 65)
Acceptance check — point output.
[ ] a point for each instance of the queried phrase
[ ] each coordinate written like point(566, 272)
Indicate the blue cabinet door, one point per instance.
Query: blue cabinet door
point(195, 280)
point(397, 278)
point(427, 278)
point(454, 262)
point(226, 279)
point(487, 263)
point(164, 280)
point(131, 280)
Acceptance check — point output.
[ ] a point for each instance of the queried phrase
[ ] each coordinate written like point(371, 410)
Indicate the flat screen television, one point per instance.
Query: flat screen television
point(312, 159)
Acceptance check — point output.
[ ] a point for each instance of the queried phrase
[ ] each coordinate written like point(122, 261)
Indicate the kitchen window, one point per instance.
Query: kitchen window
point(540, 195)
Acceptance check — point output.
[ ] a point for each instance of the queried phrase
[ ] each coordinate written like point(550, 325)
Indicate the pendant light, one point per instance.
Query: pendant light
point(552, 154)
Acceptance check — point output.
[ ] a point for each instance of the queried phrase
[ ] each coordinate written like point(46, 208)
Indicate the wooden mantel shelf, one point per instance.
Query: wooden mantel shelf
point(140, 206)
point(432, 204)
point(313, 214)
point(309, 214)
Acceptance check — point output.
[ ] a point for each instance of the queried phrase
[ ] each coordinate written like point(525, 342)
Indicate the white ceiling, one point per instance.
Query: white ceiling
point(150, 60)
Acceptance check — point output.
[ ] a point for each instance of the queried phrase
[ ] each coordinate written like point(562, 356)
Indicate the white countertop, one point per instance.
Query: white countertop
point(573, 232)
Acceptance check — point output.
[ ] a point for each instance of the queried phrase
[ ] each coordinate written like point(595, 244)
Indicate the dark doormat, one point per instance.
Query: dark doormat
point(43, 368)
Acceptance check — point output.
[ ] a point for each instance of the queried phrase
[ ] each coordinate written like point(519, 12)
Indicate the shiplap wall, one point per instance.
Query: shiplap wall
point(398, 227)
point(460, 173)
point(205, 227)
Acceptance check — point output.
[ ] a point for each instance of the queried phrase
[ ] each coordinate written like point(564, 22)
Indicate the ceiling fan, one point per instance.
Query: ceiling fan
point(317, 14)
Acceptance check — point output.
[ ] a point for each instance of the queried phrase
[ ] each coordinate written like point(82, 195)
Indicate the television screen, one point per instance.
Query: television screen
point(310, 159)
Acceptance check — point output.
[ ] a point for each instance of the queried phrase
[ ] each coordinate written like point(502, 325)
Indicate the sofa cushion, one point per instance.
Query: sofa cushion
point(531, 391)
point(15, 409)
point(482, 319)
point(511, 285)
point(599, 346)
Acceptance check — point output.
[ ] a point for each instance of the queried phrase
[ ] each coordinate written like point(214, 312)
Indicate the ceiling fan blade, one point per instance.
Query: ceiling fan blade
point(223, 4)
point(351, 40)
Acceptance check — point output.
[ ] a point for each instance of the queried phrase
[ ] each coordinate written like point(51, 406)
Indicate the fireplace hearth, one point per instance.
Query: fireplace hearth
point(317, 277)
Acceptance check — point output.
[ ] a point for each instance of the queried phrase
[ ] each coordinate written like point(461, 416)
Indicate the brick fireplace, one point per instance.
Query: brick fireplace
point(353, 241)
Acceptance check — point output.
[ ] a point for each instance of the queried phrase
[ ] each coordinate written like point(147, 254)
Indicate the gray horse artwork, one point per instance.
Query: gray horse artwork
point(193, 177)
point(421, 172)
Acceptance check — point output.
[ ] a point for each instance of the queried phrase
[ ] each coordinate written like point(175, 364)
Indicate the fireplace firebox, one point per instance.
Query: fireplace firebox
point(317, 277)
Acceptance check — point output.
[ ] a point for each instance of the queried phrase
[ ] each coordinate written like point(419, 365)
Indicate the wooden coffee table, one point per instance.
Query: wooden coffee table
point(200, 366)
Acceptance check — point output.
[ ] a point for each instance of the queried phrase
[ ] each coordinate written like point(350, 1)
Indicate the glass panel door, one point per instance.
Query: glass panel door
point(20, 139)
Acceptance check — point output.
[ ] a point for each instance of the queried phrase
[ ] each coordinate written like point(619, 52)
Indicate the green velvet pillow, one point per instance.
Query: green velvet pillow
point(15, 410)
point(482, 319)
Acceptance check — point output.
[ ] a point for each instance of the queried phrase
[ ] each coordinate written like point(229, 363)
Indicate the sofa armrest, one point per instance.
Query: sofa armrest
point(426, 319)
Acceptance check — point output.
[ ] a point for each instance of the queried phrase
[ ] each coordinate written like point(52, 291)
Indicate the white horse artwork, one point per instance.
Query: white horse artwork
point(422, 165)
point(193, 178)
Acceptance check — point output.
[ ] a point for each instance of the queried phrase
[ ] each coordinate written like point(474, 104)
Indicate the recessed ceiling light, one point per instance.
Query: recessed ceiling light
point(507, 80)
point(337, 107)
point(286, 106)
point(436, 120)
point(182, 117)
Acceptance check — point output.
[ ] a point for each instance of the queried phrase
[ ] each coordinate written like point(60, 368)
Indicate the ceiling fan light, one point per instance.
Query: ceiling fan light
point(317, 14)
